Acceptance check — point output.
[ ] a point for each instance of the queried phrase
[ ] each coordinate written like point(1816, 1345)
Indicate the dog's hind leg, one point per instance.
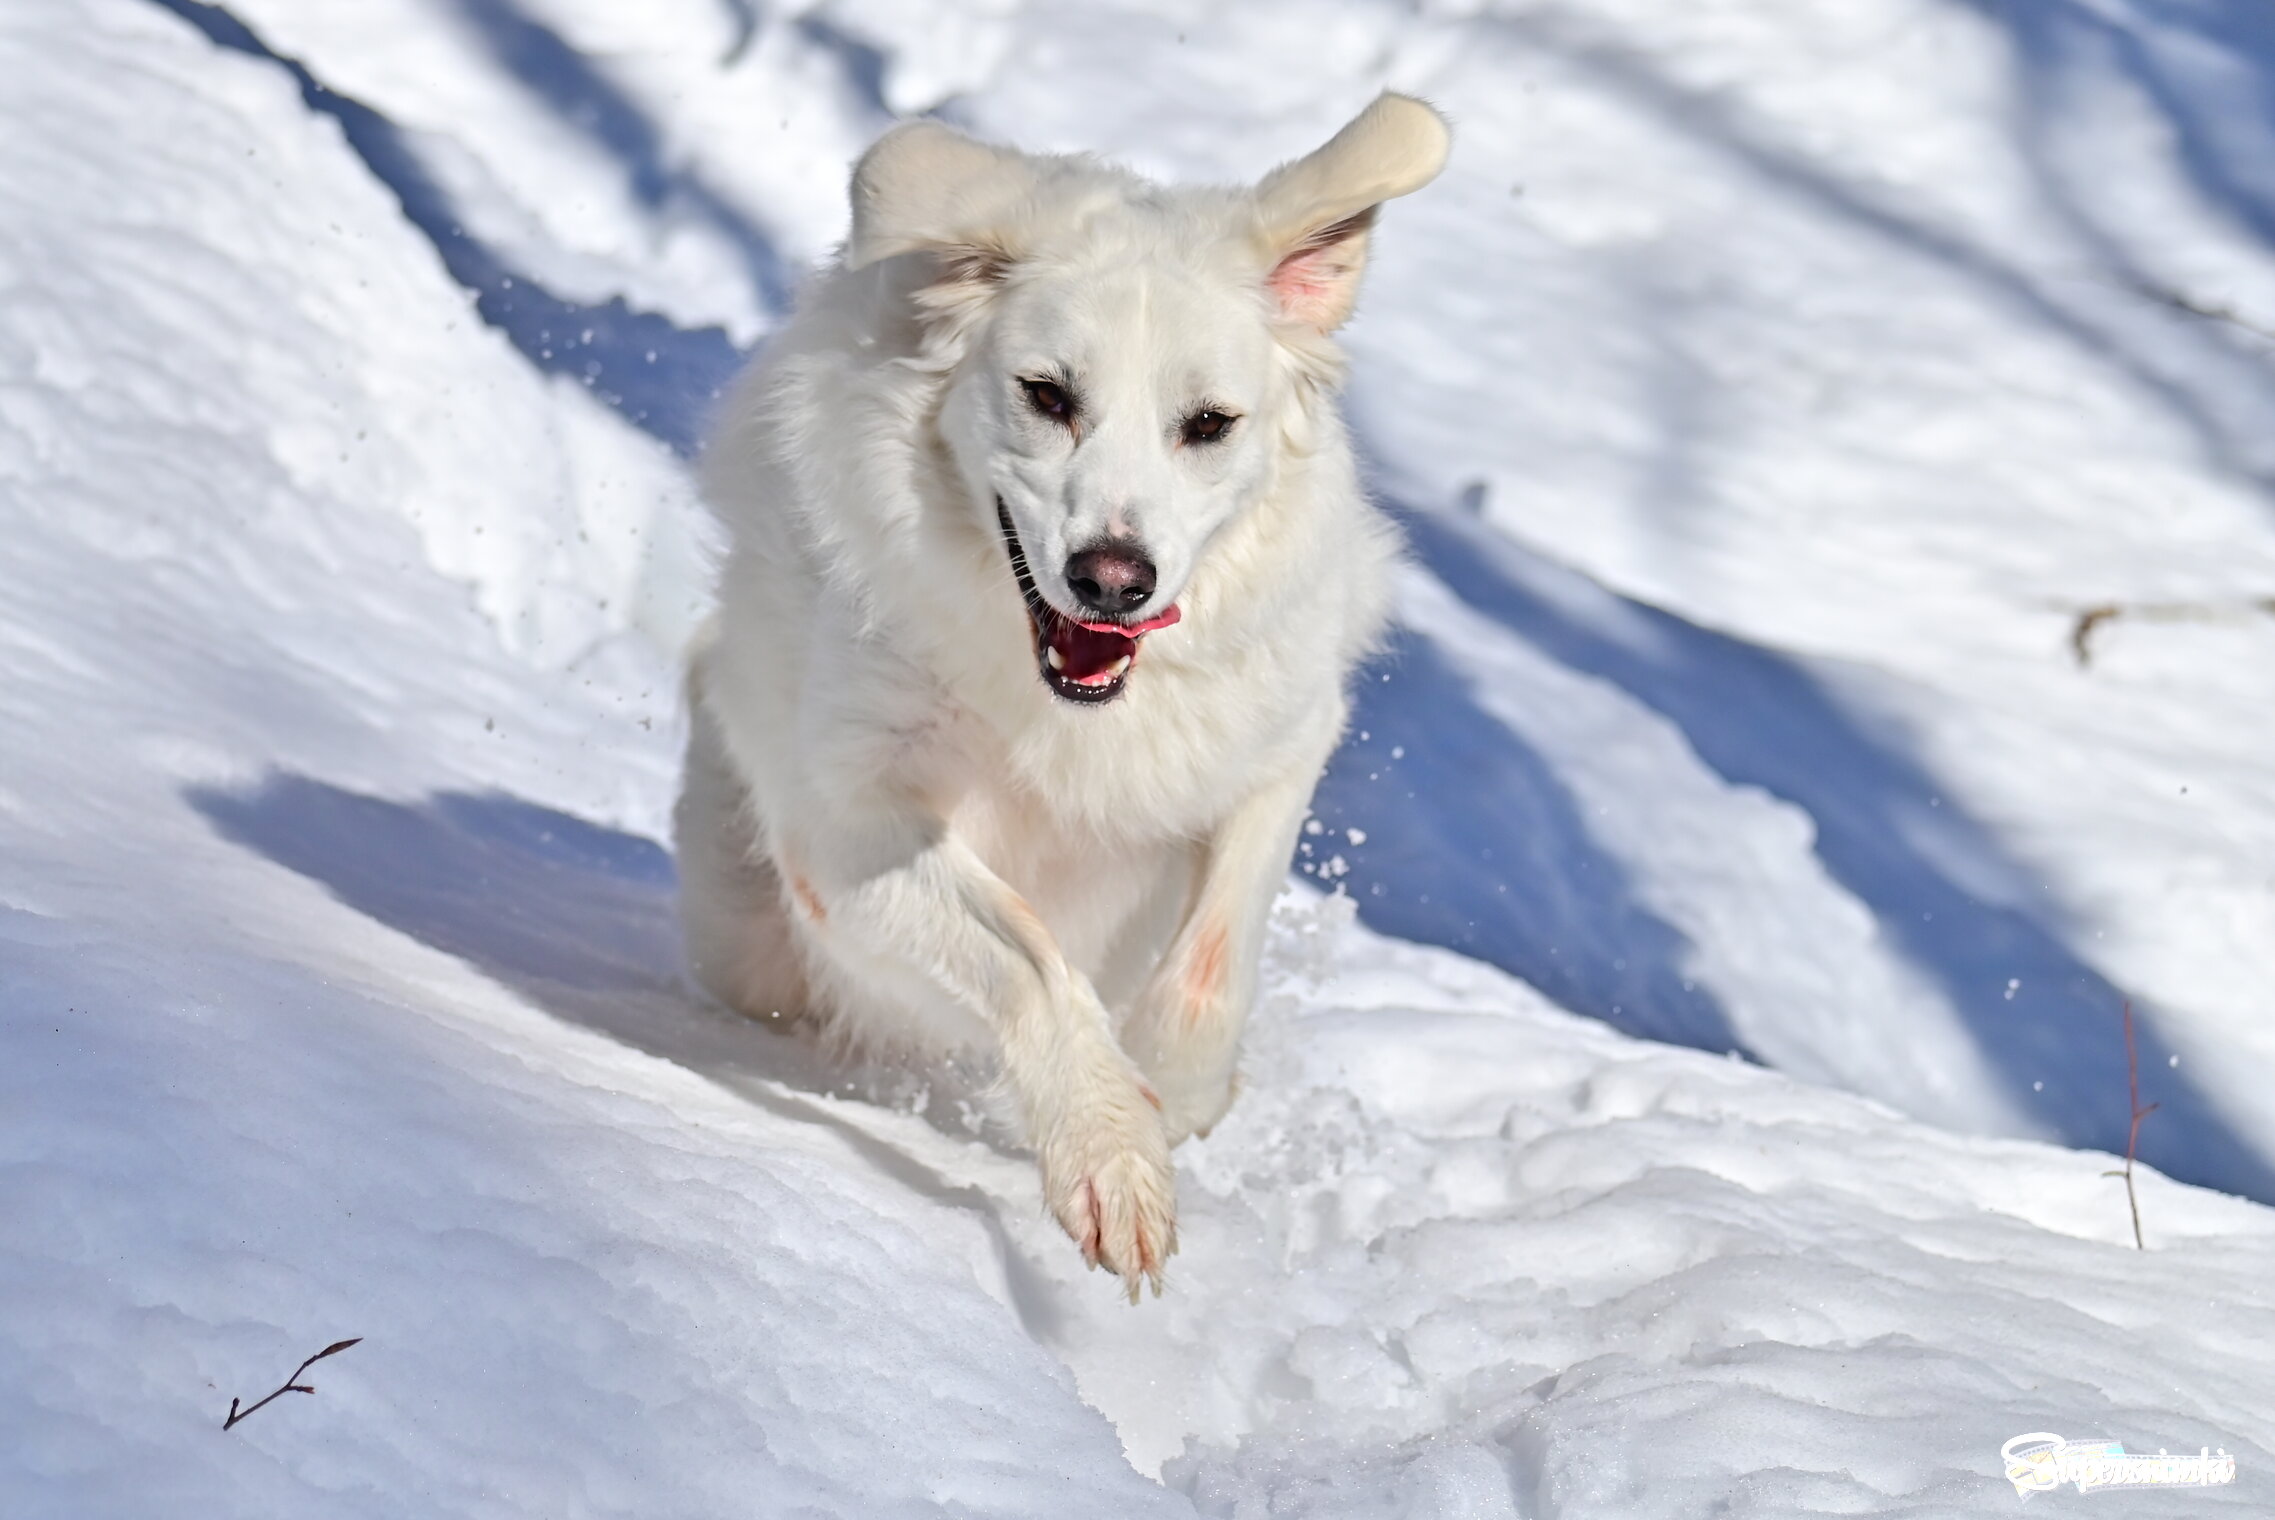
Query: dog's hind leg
point(891, 897)
point(732, 916)
point(1185, 1029)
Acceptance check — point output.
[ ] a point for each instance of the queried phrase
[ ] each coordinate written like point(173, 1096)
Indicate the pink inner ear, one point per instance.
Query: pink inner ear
point(1318, 283)
point(1311, 286)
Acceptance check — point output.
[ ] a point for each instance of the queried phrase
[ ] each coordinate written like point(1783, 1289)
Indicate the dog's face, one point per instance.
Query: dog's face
point(1124, 359)
point(1114, 414)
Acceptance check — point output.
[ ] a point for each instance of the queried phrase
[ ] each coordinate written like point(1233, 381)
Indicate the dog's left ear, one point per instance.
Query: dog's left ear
point(924, 186)
point(1314, 215)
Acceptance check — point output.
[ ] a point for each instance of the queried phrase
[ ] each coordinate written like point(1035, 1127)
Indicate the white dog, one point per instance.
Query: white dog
point(1048, 565)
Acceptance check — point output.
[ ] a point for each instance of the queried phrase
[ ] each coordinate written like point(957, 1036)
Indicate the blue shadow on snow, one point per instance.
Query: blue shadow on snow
point(2219, 391)
point(2224, 141)
point(581, 921)
point(661, 377)
point(1470, 841)
point(1936, 880)
point(578, 918)
point(585, 98)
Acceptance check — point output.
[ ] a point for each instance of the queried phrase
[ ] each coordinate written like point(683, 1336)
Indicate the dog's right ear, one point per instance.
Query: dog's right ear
point(924, 186)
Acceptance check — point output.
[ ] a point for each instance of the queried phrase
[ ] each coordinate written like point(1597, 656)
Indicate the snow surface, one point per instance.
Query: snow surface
point(1767, 391)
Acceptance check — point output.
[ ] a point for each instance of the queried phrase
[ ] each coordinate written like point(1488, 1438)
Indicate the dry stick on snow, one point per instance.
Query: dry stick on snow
point(2088, 620)
point(2133, 1137)
point(290, 1386)
point(2081, 636)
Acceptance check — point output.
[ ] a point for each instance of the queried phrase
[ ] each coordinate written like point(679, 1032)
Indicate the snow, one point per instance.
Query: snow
point(1767, 394)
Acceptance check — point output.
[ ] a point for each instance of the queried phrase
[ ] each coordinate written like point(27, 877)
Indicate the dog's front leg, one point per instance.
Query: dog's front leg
point(903, 892)
point(1185, 1030)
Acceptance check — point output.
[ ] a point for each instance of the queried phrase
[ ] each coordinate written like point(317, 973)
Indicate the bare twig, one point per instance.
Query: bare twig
point(2133, 1136)
point(2088, 620)
point(2081, 636)
point(291, 1385)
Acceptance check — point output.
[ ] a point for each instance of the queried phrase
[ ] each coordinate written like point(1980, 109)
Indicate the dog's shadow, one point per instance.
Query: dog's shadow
point(580, 920)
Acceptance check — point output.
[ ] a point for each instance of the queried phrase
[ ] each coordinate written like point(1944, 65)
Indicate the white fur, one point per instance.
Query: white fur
point(889, 822)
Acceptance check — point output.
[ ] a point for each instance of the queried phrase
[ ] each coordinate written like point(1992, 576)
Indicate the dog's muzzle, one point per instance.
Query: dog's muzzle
point(1080, 661)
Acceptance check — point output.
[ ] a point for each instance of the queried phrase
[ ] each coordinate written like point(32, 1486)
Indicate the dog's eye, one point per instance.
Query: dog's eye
point(1049, 399)
point(1206, 427)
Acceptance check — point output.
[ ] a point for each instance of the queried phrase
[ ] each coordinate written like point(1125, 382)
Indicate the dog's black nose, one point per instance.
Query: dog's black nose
point(1113, 579)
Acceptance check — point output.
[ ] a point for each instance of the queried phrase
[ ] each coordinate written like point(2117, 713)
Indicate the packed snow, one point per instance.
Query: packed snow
point(1835, 676)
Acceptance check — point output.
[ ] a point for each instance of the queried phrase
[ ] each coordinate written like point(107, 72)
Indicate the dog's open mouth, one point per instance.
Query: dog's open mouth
point(1079, 661)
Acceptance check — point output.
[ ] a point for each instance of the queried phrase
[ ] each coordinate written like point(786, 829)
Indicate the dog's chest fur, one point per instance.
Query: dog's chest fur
point(873, 641)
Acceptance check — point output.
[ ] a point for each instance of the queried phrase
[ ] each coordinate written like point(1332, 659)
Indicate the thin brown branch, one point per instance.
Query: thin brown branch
point(2133, 1135)
point(2087, 621)
point(291, 1384)
point(2081, 636)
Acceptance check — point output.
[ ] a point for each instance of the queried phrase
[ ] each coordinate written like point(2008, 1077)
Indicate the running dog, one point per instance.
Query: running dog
point(1047, 568)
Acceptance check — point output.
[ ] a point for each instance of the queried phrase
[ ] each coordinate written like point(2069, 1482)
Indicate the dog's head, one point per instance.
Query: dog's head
point(1127, 363)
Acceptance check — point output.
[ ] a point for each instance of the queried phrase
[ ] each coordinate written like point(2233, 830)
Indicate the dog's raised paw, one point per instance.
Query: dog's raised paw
point(1192, 1107)
point(1119, 1204)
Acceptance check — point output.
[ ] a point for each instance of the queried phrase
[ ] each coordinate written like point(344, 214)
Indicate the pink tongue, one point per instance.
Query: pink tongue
point(1087, 652)
point(1172, 614)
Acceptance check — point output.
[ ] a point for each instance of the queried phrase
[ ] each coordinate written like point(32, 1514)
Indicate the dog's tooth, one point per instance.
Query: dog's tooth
point(1118, 666)
point(1051, 654)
